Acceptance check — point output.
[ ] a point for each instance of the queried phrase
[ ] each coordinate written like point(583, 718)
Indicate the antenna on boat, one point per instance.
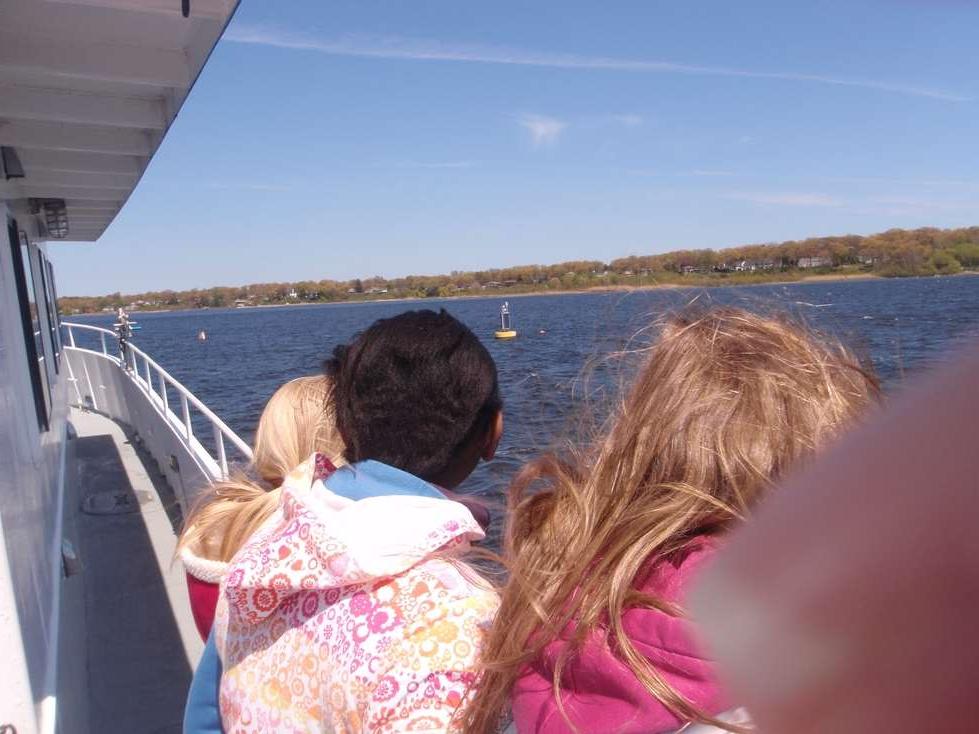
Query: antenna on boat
point(506, 330)
point(124, 327)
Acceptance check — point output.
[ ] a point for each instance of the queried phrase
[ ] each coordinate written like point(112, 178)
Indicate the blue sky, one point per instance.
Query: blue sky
point(345, 139)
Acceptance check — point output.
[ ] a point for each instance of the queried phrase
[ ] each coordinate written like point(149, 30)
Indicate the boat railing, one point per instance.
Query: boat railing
point(71, 328)
point(164, 392)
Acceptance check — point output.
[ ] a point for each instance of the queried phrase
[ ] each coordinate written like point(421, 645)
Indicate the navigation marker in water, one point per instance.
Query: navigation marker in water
point(506, 330)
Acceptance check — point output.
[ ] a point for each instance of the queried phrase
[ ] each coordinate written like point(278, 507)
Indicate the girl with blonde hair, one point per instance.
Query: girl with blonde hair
point(297, 421)
point(590, 636)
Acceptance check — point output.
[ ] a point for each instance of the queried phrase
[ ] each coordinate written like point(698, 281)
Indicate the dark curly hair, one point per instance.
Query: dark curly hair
point(412, 391)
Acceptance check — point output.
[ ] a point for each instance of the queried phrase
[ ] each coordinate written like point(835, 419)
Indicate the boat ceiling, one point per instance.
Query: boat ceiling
point(88, 89)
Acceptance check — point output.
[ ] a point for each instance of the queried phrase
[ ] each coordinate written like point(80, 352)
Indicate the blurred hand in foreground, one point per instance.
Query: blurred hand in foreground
point(848, 605)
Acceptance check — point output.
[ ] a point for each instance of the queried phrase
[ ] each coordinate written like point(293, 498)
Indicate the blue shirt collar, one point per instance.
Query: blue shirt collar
point(374, 479)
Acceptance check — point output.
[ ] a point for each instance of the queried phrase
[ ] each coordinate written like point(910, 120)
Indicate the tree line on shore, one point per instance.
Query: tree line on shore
point(895, 253)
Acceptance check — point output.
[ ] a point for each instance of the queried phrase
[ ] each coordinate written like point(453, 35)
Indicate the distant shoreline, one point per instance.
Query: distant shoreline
point(830, 277)
point(895, 253)
point(824, 278)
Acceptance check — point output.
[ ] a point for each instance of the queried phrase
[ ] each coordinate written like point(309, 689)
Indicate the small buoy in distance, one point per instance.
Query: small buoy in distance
point(542, 331)
point(506, 330)
point(202, 336)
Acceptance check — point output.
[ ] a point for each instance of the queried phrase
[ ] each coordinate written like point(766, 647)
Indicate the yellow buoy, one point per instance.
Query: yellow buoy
point(506, 331)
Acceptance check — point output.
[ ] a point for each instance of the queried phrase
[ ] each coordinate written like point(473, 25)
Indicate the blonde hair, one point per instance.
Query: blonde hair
point(298, 420)
point(725, 403)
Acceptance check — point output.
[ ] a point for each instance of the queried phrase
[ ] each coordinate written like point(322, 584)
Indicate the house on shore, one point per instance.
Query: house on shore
point(818, 261)
point(751, 266)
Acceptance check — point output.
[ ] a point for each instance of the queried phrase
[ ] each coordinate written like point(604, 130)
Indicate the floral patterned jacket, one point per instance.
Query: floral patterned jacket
point(351, 611)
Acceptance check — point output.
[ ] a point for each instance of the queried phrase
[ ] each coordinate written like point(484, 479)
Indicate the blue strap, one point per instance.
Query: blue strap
point(202, 714)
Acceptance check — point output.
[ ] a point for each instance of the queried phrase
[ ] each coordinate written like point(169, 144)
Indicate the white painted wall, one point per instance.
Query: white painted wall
point(31, 475)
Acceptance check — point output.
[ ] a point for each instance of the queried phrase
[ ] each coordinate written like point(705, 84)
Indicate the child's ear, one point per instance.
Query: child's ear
point(493, 436)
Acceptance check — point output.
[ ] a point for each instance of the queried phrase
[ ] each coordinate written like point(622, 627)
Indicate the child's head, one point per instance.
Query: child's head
point(297, 421)
point(419, 392)
point(725, 402)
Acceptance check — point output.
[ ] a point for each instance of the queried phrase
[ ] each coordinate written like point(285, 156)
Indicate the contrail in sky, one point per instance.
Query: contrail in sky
point(391, 47)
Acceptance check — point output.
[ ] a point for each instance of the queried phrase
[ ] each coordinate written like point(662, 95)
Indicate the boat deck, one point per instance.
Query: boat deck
point(126, 628)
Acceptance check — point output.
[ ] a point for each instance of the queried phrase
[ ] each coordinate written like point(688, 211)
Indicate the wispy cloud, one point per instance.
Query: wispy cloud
point(245, 186)
point(711, 173)
point(628, 120)
point(925, 182)
point(544, 131)
point(431, 164)
point(917, 203)
point(696, 173)
point(605, 121)
point(648, 172)
point(913, 206)
point(393, 47)
point(784, 198)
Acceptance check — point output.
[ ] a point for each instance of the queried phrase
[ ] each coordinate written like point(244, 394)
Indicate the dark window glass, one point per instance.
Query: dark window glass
point(20, 252)
point(55, 307)
point(51, 305)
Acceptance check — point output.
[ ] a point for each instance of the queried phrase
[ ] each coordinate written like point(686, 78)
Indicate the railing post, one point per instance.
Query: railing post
point(104, 349)
point(163, 389)
point(71, 336)
point(185, 411)
point(149, 381)
point(222, 457)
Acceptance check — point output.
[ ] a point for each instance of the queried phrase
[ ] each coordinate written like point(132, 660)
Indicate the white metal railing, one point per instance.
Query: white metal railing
point(103, 333)
point(141, 369)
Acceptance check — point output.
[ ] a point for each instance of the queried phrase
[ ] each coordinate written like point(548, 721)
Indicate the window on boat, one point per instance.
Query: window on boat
point(31, 321)
point(36, 292)
point(51, 304)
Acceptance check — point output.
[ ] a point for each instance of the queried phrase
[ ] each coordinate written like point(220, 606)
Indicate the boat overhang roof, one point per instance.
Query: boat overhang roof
point(88, 89)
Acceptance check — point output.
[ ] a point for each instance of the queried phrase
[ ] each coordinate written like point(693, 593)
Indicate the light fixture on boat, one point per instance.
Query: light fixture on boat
point(55, 216)
point(10, 162)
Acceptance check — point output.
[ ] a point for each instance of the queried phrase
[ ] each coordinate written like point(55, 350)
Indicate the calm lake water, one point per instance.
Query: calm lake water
point(559, 366)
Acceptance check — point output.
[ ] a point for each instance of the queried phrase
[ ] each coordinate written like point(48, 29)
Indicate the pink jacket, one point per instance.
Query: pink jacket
point(600, 694)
